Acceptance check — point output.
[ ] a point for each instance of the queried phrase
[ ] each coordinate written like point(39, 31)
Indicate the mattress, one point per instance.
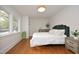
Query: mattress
point(44, 38)
point(46, 35)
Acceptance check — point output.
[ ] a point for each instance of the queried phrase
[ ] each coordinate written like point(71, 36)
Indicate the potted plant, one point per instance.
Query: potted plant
point(75, 34)
point(23, 35)
point(48, 26)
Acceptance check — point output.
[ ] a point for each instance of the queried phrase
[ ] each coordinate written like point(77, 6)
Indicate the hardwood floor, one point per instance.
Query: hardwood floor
point(23, 47)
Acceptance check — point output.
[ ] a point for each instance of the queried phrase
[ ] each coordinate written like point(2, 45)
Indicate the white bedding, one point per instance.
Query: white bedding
point(44, 38)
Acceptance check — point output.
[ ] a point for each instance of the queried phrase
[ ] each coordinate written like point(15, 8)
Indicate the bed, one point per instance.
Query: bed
point(55, 36)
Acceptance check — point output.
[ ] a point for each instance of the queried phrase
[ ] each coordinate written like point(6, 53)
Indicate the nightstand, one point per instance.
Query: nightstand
point(72, 44)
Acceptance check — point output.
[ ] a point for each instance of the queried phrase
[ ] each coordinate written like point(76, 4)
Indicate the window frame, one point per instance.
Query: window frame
point(10, 18)
point(17, 20)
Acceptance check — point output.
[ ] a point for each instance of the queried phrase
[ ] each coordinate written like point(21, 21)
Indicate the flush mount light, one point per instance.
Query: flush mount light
point(41, 9)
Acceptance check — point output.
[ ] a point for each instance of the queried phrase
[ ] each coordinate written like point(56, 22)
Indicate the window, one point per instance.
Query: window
point(4, 21)
point(8, 23)
point(15, 24)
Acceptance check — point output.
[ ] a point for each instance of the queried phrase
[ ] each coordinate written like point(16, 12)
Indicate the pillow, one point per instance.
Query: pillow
point(60, 32)
point(52, 31)
point(57, 31)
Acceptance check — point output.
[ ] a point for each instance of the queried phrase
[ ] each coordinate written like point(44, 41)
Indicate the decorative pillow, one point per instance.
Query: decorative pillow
point(57, 31)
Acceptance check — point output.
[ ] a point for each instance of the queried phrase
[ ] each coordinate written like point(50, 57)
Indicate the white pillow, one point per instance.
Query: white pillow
point(52, 31)
point(57, 31)
point(60, 32)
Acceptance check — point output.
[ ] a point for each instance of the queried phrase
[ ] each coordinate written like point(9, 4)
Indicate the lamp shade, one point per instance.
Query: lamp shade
point(41, 9)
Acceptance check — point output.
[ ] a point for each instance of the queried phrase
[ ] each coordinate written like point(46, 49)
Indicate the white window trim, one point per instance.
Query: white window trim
point(19, 25)
point(10, 22)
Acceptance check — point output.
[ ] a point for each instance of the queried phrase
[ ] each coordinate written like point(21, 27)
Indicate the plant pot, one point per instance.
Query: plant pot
point(76, 38)
point(23, 35)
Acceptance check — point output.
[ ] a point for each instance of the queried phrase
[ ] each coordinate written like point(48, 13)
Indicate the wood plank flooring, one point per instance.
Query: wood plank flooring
point(23, 47)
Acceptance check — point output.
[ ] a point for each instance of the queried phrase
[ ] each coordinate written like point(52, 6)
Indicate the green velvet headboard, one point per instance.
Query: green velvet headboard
point(67, 29)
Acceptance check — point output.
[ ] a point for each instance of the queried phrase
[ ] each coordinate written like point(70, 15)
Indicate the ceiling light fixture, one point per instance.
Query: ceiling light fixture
point(41, 9)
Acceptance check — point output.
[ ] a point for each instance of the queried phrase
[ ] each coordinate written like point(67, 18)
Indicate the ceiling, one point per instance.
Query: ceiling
point(31, 10)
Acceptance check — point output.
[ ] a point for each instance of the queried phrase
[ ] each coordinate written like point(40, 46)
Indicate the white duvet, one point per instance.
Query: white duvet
point(44, 38)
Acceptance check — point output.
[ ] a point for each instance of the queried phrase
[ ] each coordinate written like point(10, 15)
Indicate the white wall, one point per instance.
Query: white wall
point(36, 24)
point(68, 16)
point(9, 41)
point(25, 25)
